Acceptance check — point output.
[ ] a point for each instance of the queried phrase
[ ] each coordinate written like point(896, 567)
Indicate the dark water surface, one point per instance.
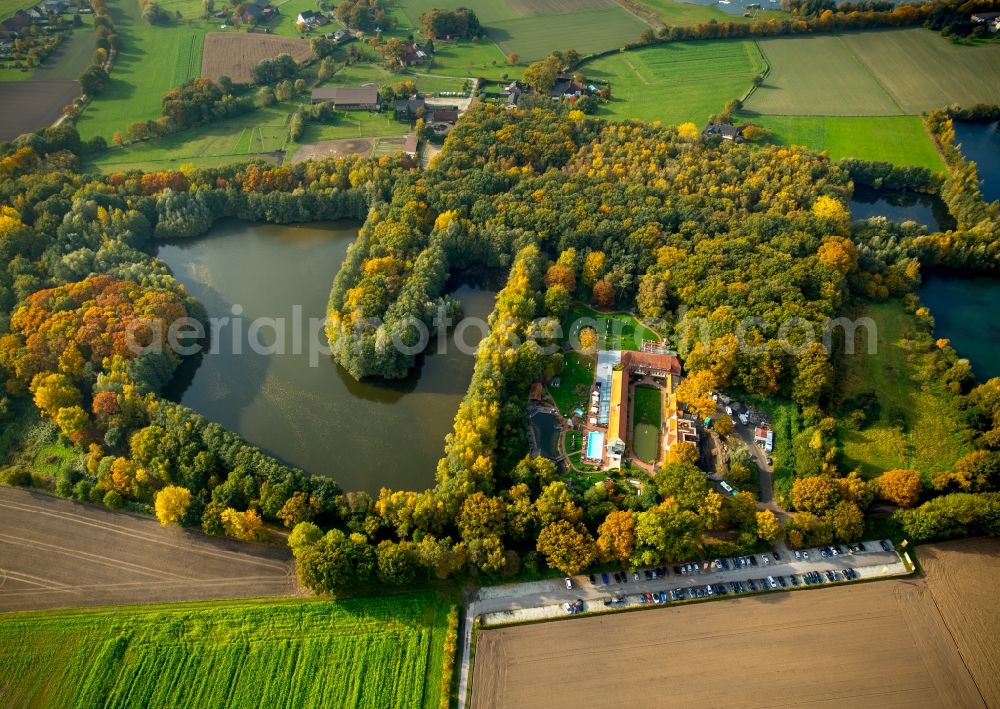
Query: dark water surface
point(965, 311)
point(980, 142)
point(362, 434)
point(924, 209)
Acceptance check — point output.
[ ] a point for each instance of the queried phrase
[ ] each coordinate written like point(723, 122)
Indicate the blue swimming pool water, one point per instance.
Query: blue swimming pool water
point(595, 442)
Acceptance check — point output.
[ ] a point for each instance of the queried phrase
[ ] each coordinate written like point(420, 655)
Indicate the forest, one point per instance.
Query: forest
point(700, 237)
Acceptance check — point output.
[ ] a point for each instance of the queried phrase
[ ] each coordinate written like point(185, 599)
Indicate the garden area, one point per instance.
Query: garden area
point(574, 383)
point(646, 418)
point(615, 331)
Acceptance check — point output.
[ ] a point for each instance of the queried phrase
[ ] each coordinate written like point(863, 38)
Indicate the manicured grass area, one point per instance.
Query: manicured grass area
point(587, 31)
point(901, 140)
point(616, 331)
point(366, 652)
point(355, 124)
point(232, 140)
point(923, 70)
point(365, 72)
point(677, 82)
point(819, 76)
point(153, 59)
point(646, 416)
point(574, 383)
point(573, 441)
point(914, 426)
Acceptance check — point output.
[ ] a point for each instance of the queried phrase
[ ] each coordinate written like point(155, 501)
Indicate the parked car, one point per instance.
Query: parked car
point(635, 576)
point(781, 582)
point(648, 574)
point(885, 545)
point(861, 547)
point(794, 579)
point(798, 555)
point(805, 555)
point(569, 582)
point(604, 577)
point(593, 580)
point(753, 586)
point(753, 560)
point(776, 555)
point(677, 570)
point(765, 559)
point(771, 582)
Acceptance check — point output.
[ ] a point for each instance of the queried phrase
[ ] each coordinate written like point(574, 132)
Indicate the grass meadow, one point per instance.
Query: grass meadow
point(574, 382)
point(368, 652)
point(675, 13)
point(901, 140)
point(677, 82)
point(586, 31)
point(912, 428)
point(152, 60)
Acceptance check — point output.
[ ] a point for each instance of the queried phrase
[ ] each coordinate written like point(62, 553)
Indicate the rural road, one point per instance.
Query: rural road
point(56, 553)
point(553, 592)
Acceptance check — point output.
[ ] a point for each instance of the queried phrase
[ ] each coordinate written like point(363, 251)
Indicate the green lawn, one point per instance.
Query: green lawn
point(586, 31)
point(677, 82)
point(574, 383)
point(368, 72)
point(487, 11)
point(152, 60)
point(371, 652)
point(471, 58)
point(915, 426)
point(901, 140)
point(646, 417)
point(616, 331)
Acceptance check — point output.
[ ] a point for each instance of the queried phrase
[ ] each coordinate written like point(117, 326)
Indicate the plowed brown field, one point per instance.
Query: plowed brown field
point(924, 642)
point(235, 54)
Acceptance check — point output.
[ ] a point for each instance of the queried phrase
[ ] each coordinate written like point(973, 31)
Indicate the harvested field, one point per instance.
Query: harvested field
point(963, 577)
point(37, 103)
point(588, 31)
point(56, 553)
point(880, 644)
point(334, 149)
point(236, 54)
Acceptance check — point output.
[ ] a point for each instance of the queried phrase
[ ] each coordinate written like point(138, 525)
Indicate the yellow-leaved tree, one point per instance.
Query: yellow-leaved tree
point(171, 504)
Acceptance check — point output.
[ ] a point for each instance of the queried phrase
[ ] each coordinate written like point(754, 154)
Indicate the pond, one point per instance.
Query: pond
point(921, 208)
point(980, 142)
point(964, 310)
point(547, 428)
point(310, 414)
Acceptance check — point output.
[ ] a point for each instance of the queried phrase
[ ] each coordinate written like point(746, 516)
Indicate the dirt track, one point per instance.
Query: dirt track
point(872, 645)
point(334, 149)
point(55, 554)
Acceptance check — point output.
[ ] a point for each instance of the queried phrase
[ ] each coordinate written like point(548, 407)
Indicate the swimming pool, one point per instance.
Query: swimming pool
point(595, 445)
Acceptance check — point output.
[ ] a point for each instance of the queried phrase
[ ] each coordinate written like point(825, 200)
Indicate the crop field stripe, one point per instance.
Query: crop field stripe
point(867, 70)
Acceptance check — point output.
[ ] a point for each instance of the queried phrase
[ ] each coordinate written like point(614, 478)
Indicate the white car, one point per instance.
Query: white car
point(805, 555)
point(798, 555)
point(569, 582)
point(765, 559)
point(770, 580)
point(729, 410)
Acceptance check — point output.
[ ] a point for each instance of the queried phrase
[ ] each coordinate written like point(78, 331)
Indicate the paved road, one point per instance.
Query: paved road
point(553, 592)
point(56, 553)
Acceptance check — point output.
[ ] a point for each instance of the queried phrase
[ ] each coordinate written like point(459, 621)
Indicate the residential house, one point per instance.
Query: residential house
point(726, 131)
point(441, 120)
point(311, 18)
point(513, 91)
point(410, 145)
point(566, 87)
point(364, 98)
point(412, 55)
point(408, 109)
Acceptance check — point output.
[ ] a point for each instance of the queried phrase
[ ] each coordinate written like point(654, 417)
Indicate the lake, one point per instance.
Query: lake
point(980, 142)
point(924, 209)
point(964, 310)
point(364, 435)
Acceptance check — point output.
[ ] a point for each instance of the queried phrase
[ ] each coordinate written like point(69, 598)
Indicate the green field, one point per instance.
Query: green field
point(479, 57)
point(674, 13)
point(486, 10)
point(676, 82)
point(231, 140)
point(152, 61)
point(819, 76)
point(901, 140)
point(877, 73)
point(373, 652)
point(587, 31)
point(913, 428)
point(646, 416)
point(616, 331)
point(366, 72)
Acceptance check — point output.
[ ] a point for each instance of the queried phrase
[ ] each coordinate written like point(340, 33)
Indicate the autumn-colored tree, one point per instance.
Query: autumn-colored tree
point(242, 525)
point(300, 507)
point(688, 131)
point(616, 536)
point(560, 275)
point(72, 421)
point(557, 301)
point(603, 294)
point(833, 210)
point(513, 58)
point(815, 493)
point(839, 253)
point(556, 503)
point(695, 390)
point(681, 452)
point(53, 392)
point(481, 516)
point(588, 340)
point(593, 268)
point(768, 527)
point(900, 486)
point(723, 425)
point(171, 504)
point(566, 546)
point(847, 520)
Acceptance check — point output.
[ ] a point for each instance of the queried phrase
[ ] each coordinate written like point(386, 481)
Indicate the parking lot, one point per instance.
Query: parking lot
point(812, 568)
